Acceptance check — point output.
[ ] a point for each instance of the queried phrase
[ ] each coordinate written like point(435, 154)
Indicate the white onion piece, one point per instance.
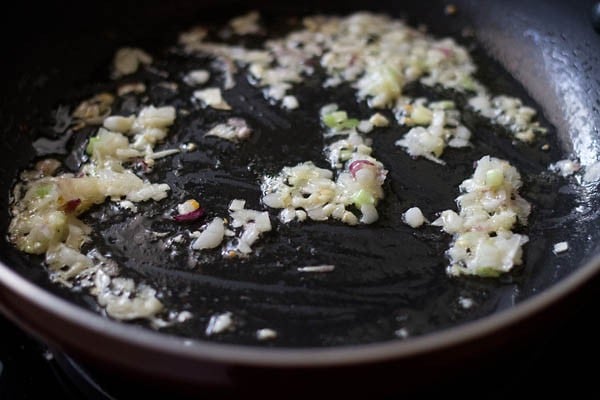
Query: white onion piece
point(211, 237)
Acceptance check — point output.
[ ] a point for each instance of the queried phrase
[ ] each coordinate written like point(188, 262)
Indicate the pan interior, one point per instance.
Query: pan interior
point(388, 277)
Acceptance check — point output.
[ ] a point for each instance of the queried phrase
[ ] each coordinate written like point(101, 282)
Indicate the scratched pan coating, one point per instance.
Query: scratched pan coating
point(387, 275)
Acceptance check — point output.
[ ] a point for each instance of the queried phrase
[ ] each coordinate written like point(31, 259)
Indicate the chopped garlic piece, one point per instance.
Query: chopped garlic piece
point(128, 205)
point(565, 167)
point(378, 120)
point(414, 217)
point(510, 113)
point(237, 204)
point(436, 126)
point(266, 334)
point(128, 88)
point(219, 323)
point(560, 247)
point(365, 126)
point(254, 224)
point(290, 102)
point(125, 300)
point(212, 97)
point(234, 130)
point(465, 302)
point(117, 123)
point(128, 59)
point(197, 77)
point(93, 111)
point(211, 237)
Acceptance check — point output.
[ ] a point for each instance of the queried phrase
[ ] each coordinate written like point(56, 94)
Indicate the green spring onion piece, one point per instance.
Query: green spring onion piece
point(350, 123)
point(90, 147)
point(362, 197)
point(334, 119)
point(494, 178)
point(43, 191)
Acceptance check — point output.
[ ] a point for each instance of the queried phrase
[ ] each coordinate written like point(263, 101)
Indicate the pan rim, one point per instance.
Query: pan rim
point(204, 351)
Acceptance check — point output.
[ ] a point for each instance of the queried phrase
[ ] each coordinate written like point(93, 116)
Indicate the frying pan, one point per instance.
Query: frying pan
point(388, 276)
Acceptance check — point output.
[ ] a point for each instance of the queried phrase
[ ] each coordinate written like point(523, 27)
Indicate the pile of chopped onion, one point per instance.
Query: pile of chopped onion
point(234, 130)
point(510, 113)
point(308, 191)
point(378, 55)
point(45, 218)
point(436, 125)
point(375, 52)
point(489, 208)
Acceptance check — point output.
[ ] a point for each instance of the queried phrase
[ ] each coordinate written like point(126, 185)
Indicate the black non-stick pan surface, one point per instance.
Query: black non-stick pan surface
point(388, 276)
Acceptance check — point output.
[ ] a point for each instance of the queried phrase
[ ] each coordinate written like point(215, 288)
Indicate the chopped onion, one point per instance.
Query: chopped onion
point(565, 167)
point(191, 216)
point(212, 98)
point(357, 165)
point(212, 236)
point(490, 206)
point(197, 77)
point(414, 217)
point(560, 247)
point(266, 334)
point(219, 323)
point(234, 130)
